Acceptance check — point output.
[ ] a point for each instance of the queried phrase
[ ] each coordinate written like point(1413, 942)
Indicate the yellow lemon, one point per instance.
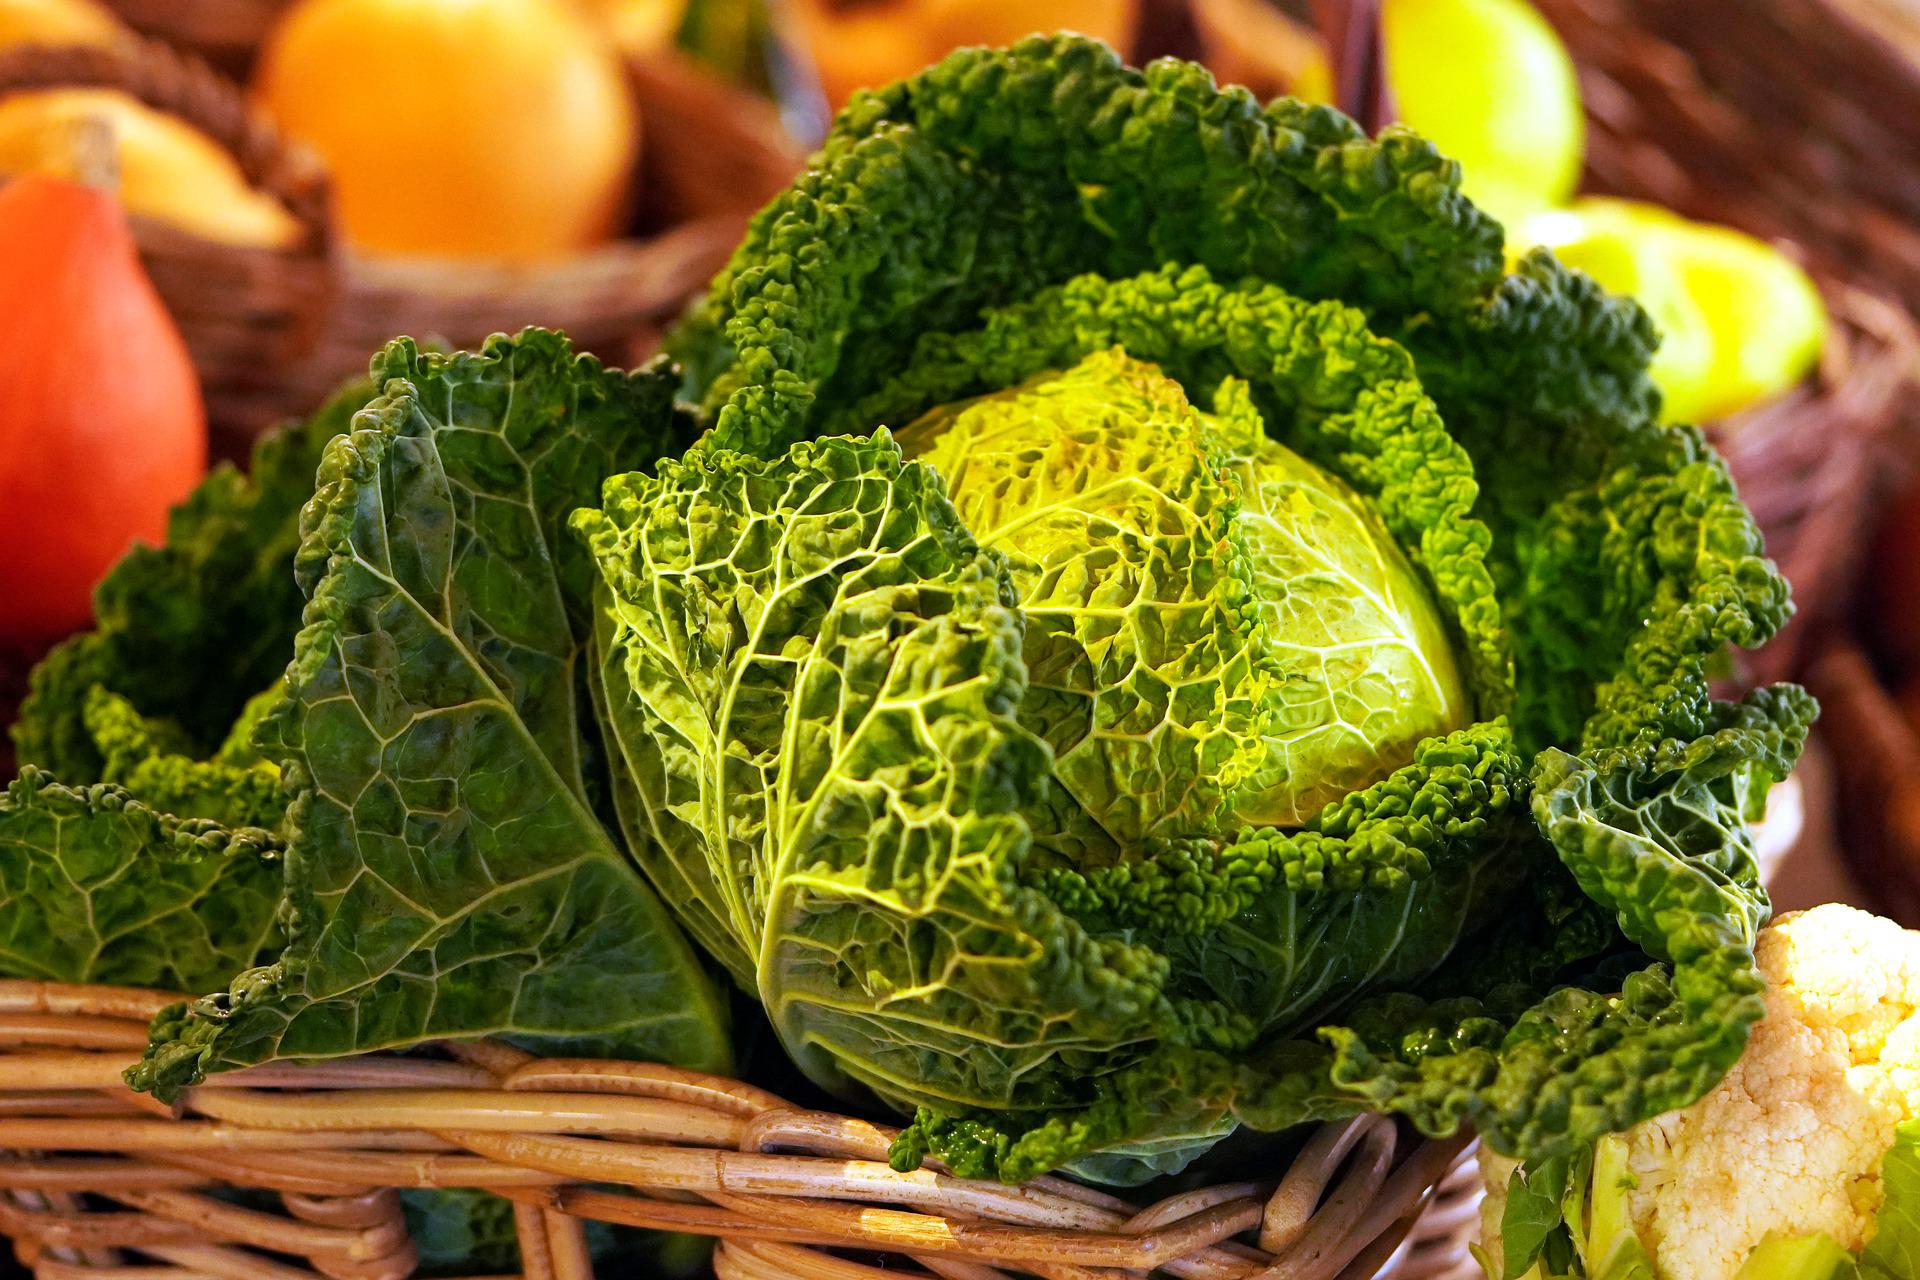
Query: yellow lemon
point(459, 128)
point(1616, 252)
point(1767, 318)
point(1491, 85)
point(1740, 322)
point(166, 169)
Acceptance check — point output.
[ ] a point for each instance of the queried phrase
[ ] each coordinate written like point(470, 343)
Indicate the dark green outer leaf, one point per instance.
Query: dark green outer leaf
point(446, 873)
point(136, 754)
point(97, 887)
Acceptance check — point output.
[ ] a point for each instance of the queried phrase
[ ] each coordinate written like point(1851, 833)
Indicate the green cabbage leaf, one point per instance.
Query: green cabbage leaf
point(97, 887)
point(447, 870)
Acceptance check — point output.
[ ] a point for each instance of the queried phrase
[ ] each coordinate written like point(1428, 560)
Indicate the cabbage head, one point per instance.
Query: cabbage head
point(1165, 632)
point(1219, 633)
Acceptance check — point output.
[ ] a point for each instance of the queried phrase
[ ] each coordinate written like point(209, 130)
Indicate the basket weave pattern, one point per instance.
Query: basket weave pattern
point(103, 1182)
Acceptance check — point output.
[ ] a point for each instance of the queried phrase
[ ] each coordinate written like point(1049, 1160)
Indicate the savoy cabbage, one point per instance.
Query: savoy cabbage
point(1159, 630)
point(1040, 785)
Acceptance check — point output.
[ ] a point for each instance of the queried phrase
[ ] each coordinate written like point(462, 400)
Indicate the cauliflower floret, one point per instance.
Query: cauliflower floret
point(1792, 1139)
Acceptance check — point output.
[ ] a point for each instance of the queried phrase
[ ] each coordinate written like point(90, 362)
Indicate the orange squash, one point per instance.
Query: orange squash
point(102, 428)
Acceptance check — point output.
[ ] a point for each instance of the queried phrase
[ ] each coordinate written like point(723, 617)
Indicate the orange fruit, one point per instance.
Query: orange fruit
point(864, 46)
point(57, 22)
point(498, 129)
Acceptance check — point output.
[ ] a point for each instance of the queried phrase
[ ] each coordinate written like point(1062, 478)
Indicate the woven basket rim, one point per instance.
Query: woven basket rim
point(694, 1153)
point(182, 85)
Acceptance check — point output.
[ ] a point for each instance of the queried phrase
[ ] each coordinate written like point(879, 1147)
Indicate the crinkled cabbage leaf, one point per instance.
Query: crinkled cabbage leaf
point(447, 870)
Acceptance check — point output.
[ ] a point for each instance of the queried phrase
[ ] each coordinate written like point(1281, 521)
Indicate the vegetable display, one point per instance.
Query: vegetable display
point(1803, 1164)
point(1144, 626)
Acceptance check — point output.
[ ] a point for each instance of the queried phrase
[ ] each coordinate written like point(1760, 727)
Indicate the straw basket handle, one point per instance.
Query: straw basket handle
point(293, 287)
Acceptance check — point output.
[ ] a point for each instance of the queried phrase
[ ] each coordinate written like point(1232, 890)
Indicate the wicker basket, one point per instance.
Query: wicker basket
point(225, 33)
point(102, 1182)
point(272, 331)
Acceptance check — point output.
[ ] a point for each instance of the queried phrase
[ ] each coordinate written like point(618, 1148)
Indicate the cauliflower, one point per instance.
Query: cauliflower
point(1788, 1148)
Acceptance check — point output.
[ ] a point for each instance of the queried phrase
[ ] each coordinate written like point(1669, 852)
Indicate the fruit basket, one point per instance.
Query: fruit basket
point(273, 330)
point(104, 1182)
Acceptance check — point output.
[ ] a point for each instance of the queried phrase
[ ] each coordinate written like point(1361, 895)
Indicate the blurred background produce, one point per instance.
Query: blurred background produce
point(442, 167)
point(168, 170)
point(57, 22)
point(857, 44)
